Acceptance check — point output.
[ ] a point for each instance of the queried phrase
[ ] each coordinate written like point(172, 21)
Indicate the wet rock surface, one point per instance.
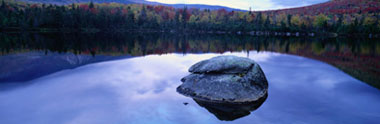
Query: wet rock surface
point(225, 79)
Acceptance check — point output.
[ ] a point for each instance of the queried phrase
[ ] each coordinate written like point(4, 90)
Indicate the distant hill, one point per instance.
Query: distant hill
point(61, 2)
point(200, 6)
point(334, 7)
point(330, 7)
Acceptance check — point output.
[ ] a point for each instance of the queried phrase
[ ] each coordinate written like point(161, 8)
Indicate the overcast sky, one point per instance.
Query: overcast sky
point(245, 4)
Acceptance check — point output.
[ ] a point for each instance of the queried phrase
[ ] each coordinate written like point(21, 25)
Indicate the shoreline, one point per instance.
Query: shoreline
point(172, 31)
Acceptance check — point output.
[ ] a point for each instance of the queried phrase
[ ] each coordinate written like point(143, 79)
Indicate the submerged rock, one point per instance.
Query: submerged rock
point(225, 79)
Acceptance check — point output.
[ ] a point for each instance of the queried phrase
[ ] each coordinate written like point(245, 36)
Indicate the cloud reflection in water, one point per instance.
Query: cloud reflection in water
point(141, 90)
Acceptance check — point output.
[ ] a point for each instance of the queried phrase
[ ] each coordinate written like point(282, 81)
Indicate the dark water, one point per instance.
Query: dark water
point(132, 78)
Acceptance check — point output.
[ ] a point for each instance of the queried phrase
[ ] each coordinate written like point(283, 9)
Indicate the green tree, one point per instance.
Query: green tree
point(321, 21)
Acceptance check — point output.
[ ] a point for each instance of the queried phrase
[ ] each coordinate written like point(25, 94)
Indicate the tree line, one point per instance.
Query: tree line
point(91, 17)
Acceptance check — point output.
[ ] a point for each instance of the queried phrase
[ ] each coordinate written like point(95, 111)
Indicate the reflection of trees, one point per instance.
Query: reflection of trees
point(358, 57)
point(116, 44)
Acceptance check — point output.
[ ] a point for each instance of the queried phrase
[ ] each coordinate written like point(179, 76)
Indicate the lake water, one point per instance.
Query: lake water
point(121, 82)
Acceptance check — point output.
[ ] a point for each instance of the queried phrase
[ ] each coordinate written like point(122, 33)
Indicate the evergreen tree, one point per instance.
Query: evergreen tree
point(289, 18)
point(184, 17)
point(142, 17)
point(91, 5)
point(258, 21)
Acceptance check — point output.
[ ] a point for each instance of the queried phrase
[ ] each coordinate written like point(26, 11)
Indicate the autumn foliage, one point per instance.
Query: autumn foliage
point(339, 16)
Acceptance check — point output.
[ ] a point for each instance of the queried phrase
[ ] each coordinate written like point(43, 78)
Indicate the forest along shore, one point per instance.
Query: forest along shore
point(332, 18)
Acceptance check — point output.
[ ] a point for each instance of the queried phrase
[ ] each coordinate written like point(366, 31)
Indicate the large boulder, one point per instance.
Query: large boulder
point(225, 79)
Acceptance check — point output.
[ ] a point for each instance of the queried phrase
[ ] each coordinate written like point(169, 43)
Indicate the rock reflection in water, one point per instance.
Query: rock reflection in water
point(231, 111)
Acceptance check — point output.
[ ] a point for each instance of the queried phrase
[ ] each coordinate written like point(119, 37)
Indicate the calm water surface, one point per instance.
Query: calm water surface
point(142, 90)
point(132, 79)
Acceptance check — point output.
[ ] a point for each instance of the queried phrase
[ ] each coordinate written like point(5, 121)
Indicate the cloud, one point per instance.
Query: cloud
point(246, 4)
